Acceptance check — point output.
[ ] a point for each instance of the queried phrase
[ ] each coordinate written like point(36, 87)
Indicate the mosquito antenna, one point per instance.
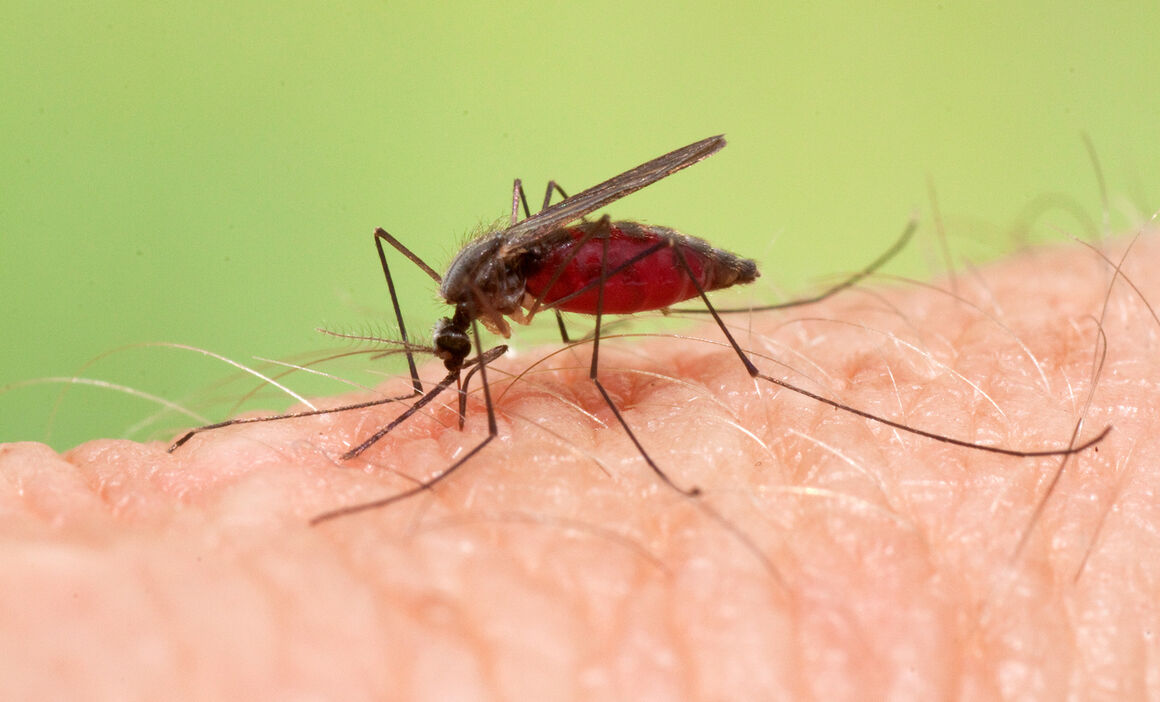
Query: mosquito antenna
point(401, 346)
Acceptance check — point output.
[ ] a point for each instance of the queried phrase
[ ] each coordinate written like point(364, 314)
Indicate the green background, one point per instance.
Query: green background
point(209, 173)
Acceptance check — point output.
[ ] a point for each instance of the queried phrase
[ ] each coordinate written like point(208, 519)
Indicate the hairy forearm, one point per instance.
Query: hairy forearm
point(829, 557)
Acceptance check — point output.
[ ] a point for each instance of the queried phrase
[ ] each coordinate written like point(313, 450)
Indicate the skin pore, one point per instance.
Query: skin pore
point(830, 557)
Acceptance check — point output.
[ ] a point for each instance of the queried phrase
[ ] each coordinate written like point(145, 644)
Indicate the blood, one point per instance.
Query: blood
point(654, 282)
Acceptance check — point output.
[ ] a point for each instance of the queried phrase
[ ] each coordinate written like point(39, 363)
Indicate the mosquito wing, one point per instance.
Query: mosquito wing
point(522, 234)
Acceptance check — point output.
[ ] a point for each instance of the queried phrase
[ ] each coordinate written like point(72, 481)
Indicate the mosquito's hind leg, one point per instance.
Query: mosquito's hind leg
point(849, 282)
point(755, 373)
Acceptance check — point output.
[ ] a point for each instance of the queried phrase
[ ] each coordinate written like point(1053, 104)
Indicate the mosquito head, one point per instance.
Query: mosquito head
point(450, 339)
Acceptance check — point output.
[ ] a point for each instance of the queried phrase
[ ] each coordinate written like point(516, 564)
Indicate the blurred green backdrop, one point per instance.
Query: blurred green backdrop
point(209, 174)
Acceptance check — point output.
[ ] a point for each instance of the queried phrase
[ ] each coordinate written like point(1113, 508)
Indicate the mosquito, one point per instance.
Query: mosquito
point(557, 260)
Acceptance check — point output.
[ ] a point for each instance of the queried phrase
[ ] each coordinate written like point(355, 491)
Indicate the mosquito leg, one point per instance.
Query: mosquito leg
point(461, 409)
point(593, 371)
point(518, 197)
point(553, 187)
point(575, 251)
point(623, 266)
point(492, 429)
point(492, 432)
point(381, 233)
point(293, 415)
point(366, 506)
point(754, 372)
point(491, 355)
point(563, 330)
point(575, 293)
point(452, 377)
point(380, 236)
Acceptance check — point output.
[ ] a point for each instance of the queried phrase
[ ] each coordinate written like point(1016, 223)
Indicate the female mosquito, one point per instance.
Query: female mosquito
point(557, 260)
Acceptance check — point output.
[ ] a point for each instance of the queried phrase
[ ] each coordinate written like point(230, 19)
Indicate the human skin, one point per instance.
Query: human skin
point(829, 557)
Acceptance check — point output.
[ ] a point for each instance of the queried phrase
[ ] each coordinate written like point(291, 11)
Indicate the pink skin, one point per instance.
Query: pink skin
point(557, 566)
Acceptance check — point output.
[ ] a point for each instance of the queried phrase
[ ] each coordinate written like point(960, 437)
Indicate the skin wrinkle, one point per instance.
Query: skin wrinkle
point(894, 552)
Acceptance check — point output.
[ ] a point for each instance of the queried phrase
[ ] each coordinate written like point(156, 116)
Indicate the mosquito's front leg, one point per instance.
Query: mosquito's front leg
point(755, 373)
point(381, 235)
point(452, 377)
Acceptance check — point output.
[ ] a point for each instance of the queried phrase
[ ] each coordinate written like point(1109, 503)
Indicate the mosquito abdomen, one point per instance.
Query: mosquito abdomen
point(654, 282)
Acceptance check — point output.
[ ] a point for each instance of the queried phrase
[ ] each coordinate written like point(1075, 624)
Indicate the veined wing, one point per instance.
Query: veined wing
point(524, 233)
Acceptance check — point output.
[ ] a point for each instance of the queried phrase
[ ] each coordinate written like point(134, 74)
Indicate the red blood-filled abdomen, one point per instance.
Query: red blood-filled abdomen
point(652, 283)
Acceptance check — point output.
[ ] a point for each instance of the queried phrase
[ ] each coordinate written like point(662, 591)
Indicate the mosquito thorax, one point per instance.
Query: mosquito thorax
point(484, 284)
